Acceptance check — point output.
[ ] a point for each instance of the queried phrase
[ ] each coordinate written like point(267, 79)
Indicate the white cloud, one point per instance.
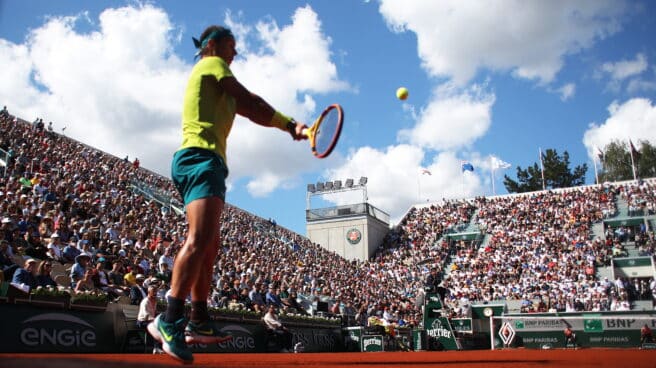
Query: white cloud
point(121, 85)
point(567, 91)
point(113, 88)
point(636, 85)
point(451, 120)
point(271, 58)
point(635, 119)
point(395, 179)
point(530, 38)
point(625, 68)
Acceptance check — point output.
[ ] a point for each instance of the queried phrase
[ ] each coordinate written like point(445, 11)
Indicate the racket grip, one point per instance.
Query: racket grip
point(306, 132)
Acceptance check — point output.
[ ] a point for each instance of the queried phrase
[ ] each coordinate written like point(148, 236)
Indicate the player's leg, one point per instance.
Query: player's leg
point(200, 329)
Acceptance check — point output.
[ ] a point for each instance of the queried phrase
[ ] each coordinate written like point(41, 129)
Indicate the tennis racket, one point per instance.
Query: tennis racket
point(324, 133)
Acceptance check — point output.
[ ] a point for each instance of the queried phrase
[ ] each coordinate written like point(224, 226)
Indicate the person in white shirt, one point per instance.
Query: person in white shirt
point(147, 308)
point(275, 327)
point(166, 258)
point(55, 250)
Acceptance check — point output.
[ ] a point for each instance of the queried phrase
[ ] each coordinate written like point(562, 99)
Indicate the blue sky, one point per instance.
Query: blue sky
point(500, 78)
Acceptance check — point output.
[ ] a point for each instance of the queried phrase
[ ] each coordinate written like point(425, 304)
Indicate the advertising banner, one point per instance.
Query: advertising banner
point(33, 329)
point(372, 343)
point(591, 330)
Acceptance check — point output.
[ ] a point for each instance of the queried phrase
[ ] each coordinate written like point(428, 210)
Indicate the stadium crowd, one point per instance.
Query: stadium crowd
point(79, 210)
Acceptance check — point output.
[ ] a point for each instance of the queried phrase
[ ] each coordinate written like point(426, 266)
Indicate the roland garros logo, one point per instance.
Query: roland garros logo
point(353, 236)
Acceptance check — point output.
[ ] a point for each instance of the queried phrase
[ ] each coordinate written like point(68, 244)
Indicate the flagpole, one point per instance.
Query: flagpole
point(492, 173)
point(594, 162)
point(635, 177)
point(544, 187)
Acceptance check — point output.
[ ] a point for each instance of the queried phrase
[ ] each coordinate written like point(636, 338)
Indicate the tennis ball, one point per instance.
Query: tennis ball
point(402, 93)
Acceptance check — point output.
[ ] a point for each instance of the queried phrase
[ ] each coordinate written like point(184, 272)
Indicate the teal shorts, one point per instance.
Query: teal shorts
point(199, 173)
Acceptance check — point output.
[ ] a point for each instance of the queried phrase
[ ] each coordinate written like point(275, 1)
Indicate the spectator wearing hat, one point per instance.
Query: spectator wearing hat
point(26, 275)
point(138, 292)
point(55, 251)
point(79, 268)
point(6, 224)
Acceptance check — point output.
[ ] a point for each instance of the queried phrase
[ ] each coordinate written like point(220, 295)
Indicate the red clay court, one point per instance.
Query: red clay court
point(627, 358)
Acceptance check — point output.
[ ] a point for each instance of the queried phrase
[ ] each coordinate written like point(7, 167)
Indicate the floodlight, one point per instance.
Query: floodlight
point(311, 188)
point(328, 185)
point(363, 180)
point(337, 184)
point(349, 183)
point(319, 187)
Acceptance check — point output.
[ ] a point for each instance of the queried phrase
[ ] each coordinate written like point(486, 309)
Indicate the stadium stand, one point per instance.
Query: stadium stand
point(542, 251)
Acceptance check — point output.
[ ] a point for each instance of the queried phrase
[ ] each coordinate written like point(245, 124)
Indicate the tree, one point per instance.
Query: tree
point(557, 174)
point(616, 161)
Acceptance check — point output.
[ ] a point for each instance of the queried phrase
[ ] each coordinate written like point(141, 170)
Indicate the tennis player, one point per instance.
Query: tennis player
point(199, 170)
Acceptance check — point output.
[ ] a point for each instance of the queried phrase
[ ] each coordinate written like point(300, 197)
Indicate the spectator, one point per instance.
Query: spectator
point(116, 277)
point(147, 308)
point(272, 297)
point(55, 251)
point(293, 305)
point(277, 330)
point(103, 282)
point(25, 275)
point(86, 282)
point(70, 251)
point(164, 273)
point(138, 292)
point(34, 247)
point(7, 265)
point(130, 278)
point(79, 269)
point(255, 296)
point(167, 259)
point(43, 276)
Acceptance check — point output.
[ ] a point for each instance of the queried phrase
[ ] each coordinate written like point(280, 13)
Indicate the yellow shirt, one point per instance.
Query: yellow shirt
point(130, 279)
point(207, 112)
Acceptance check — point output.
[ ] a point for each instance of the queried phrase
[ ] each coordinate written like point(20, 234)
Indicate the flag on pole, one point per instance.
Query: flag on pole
point(600, 154)
point(635, 155)
point(466, 166)
point(634, 152)
point(498, 163)
point(425, 171)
